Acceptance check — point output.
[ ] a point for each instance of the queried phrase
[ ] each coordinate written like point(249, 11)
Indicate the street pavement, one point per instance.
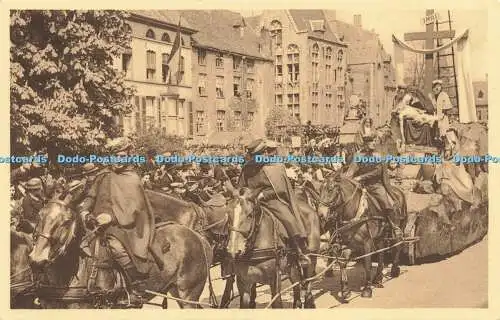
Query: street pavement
point(460, 281)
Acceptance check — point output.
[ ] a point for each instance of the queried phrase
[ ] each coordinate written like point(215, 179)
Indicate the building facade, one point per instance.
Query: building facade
point(309, 64)
point(157, 105)
point(232, 75)
point(481, 100)
point(371, 75)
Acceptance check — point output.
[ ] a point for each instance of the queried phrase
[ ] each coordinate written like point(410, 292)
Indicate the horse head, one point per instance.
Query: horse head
point(242, 222)
point(335, 193)
point(58, 228)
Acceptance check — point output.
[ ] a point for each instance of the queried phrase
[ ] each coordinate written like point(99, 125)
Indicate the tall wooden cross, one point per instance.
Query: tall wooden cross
point(429, 36)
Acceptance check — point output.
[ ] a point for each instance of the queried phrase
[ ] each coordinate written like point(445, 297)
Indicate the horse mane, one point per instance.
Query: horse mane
point(18, 238)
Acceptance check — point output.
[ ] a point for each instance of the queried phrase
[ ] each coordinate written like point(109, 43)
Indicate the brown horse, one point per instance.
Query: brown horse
point(256, 246)
point(21, 245)
point(70, 278)
point(339, 201)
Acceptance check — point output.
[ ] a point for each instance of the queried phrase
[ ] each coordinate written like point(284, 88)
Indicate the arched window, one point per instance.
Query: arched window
point(340, 56)
point(293, 63)
point(328, 54)
point(276, 33)
point(315, 52)
point(182, 41)
point(165, 37)
point(150, 34)
point(480, 95)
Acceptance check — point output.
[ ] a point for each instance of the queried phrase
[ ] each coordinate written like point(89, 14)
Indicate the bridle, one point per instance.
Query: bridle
point(332, 204)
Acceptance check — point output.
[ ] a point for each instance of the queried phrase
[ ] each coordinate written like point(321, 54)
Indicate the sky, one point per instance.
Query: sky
point(386, 23)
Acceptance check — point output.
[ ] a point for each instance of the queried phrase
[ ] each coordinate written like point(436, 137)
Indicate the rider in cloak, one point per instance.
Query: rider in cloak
point(272, 188)
point(375, 179)
point(117, 203)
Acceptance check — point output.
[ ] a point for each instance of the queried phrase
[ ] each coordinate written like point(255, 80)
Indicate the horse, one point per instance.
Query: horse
point(360, 230)
point(69, 277)
point(256, 246)
point(21, 245)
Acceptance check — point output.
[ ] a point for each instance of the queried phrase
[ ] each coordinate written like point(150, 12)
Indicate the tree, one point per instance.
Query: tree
point(280, 123)
point(65, 93)
point(156, 141)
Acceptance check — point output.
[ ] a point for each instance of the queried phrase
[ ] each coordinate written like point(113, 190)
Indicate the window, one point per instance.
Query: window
point(181, 69)
point(293, 63)
point(250, 118)
point(237, 120)
point(249, 88)
point(480, 95)
point(202, 57)
point(276, 34)
point(182, 41)
point(340, 56)
point(339, 73)
point(293, 105)
point(315, 112)
point(279, 66)
point(202, 85)
point(165, 37)
point(328, 70)
point(150, 65)
point(278, 100)
point(221, 119)
point(150, 112)
point(236, 86)
point(164, 66)
point(328, 107)
point(219, 87)
point(315, 52)
point(250, 65)
point(150, 34)
point(200, 121)
point(180, 109)
point(328, 55)
point(317, 25)
point(236, 63)
point(219, 61)
point(126, 60)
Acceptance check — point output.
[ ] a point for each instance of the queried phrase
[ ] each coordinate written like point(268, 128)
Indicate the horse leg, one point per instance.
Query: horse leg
point(395, 269)
point(253, 296)
point(329, 273)
point(379, 276)
point(244, 289)
point(309, 298)
point(345, 292)
point(366, 292)
point(295, 277)
point(226, 297)
point(277, 304)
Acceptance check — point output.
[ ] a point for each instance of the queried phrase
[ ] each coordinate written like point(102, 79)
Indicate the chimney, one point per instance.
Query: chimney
point(357, 20)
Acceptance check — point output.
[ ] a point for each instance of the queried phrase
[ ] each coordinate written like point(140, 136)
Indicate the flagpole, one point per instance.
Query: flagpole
point(180, 50)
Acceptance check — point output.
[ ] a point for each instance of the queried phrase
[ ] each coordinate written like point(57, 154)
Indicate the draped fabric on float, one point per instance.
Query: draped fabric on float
point(467, 107)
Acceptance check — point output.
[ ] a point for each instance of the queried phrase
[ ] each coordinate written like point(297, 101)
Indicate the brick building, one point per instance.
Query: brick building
point(310, 63)
point(232, 74)
point(371, 75)
point(156, 104)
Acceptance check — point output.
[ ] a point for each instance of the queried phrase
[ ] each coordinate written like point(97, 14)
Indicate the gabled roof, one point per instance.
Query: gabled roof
point(218, 29)
point(480, 86)
point(163, 16)
point(302, 19)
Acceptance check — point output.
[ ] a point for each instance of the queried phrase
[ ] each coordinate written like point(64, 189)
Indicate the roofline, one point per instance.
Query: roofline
point(141, 18)
point(343, 44)
point(197, 45)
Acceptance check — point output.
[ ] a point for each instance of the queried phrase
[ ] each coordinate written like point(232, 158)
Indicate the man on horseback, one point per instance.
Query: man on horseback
point(270, 185)
point(374, 177)
point(117, 204)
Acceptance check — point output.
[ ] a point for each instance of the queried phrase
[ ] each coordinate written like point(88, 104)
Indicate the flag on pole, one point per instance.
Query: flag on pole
point(174, 60)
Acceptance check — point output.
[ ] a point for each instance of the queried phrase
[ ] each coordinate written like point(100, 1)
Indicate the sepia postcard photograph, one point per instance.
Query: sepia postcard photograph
point(244, 157)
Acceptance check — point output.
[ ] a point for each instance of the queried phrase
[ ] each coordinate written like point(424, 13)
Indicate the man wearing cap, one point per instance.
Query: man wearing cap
point(271, 186)
point(116, 202)
point(442, 104)
point(31, 205)
point(374, 177)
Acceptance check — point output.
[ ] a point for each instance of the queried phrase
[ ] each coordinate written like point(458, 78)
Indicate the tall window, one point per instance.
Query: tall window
point(165, 37)
point(276, 33)
point(249, 88)
point(200, 121)
point(236, 86)
point(126, 63)
point(236, 63)
point(150, 65)
point(340, 56)
point(219, 61)
point(150, 34)
point(221, 120)
point(250, 118)
point(315, 63)
point(150, 112)
point(219, 87)
point(202, 85)
point(315, 114)
point(164, 66)
point(279, 65)
point(293, 63)
point(293, 105)
point(328, 55)
point(202, 57)
point(328, 107)
point(328, 71)
point(278, 100)
point(250, 66)
point(237, 120)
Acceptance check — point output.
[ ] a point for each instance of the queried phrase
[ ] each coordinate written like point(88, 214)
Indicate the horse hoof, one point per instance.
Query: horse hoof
point(164, 304)
point(378, 285)
point(366, 293)
point(252, 305)
point(297, 305)
point(395, 272)
point(344, 295)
